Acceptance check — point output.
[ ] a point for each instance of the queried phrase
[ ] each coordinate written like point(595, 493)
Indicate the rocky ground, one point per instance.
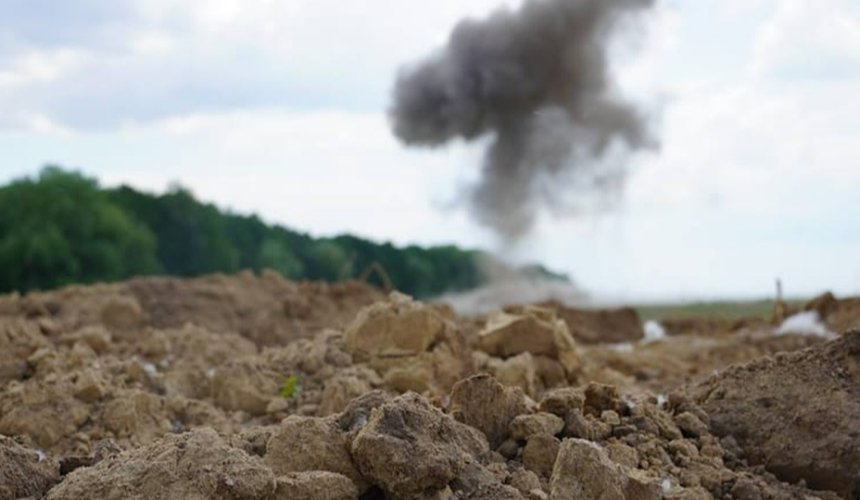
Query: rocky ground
point(256, 387)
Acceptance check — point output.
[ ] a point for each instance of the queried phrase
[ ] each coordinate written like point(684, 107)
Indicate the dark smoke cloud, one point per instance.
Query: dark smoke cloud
point(537, 82)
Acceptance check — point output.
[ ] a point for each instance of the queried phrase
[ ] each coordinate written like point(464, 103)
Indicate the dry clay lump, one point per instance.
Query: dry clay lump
point(19, 340)
point(593, 326)
point(25, 472)
point(195, 465)
point(528, 329)
point(315, 485)
point(404, 446)
point(413, 450)
point(535, 337)
point(411, 345)
point(797, 413)
point(584, 470)
point(528, 347)
point(483, 403)
point(400, 327)
point(307, 444)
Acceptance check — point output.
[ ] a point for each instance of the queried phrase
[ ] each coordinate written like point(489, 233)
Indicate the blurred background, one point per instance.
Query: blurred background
point(188, 137)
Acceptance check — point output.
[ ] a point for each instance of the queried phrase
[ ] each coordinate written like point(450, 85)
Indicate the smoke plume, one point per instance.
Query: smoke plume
point(536, 82)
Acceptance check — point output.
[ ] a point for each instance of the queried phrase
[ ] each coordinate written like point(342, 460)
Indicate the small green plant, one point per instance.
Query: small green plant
point(290, 387)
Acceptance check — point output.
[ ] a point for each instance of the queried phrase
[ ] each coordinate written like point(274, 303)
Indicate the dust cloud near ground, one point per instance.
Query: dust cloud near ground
point(255, 387)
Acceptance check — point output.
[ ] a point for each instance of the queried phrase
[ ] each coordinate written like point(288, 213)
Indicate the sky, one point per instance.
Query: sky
point(279, 107)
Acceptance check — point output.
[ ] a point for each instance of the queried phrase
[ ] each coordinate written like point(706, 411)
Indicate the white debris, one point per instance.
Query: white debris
point(358, 422)
point(41, 454)
point(149, 368)
point(654, 331)
point(229, 481)
point(630, 402)
point(804, 323)
point(666, 485)
point(661, 399)
point(622, 347)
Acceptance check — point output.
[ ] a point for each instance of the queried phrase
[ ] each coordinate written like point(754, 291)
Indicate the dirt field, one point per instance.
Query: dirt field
point(254, 387)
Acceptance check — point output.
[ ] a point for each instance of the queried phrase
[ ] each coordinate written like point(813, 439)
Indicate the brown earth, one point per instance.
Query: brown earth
point(257, 387)
point(838, 315)
point(596, 326)
point(795, 413)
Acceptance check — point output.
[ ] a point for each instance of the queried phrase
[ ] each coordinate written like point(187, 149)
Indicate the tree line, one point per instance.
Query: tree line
point(61, 227)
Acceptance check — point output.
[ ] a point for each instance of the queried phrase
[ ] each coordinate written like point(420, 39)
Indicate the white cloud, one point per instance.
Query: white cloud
point(321, 171)
point(148, 59)
point(40, 124)
point(34, 67)
point(153, 44)
point(810, 39)
point(741, 7)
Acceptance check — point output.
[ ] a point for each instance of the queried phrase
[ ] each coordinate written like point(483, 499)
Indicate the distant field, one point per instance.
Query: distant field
point(724, 309)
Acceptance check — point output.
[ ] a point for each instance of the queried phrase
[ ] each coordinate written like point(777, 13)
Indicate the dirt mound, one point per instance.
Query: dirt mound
point(412, 450)
point(256, 387)
point(19, 338)
point(133, 390)
point(412, 346)
point(664, 366)
point(198, 464)
point(265, 309)
point(527, 329)
point(708, 326)
point(25, 472)
point(529, 347)
point(576, 443)
point(798, 414)
point(838, 314)
point(593, 326)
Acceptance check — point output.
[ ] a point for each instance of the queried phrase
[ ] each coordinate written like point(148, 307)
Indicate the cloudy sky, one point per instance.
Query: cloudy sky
point(279, 107)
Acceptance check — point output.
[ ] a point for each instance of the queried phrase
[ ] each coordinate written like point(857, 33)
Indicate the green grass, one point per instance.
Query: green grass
point(290, 387)
point(720, 309)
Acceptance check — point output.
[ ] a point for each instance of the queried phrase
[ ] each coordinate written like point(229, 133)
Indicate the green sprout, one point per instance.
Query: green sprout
point(291, 387)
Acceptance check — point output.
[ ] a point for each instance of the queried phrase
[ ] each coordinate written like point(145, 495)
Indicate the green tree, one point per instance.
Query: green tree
point(328, 261)
point(276, 254)
point(60, 229)
point(192, 237)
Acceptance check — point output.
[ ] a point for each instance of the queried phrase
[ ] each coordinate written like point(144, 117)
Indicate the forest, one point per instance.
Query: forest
point(61, 227)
